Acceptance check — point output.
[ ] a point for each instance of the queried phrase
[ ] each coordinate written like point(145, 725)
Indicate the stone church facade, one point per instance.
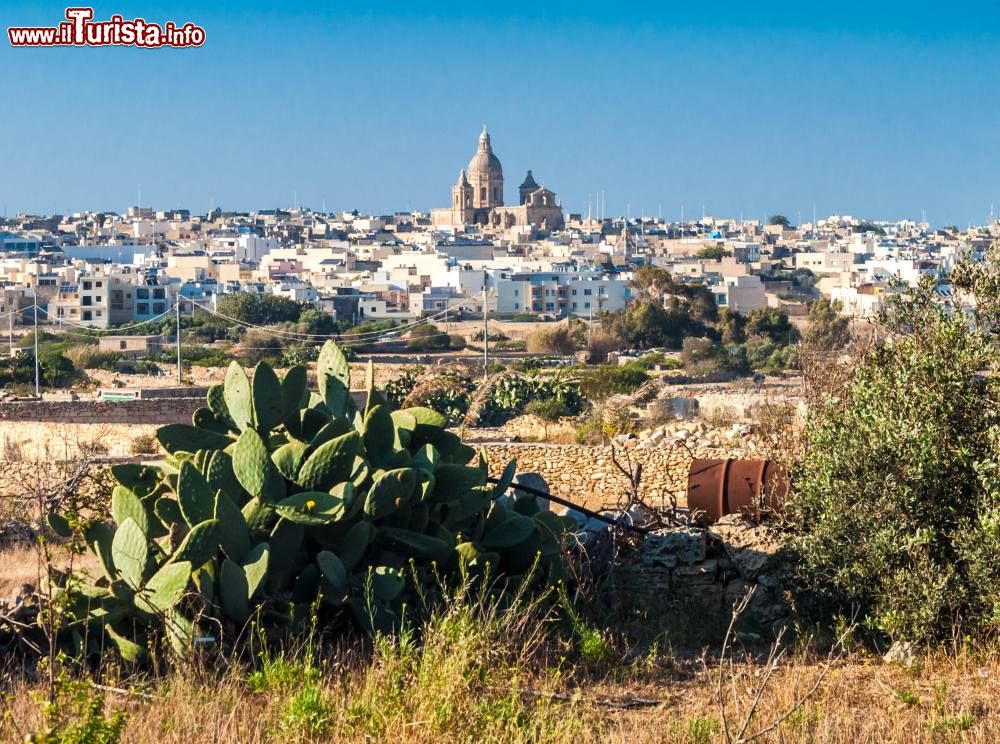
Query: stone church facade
point(477, 198)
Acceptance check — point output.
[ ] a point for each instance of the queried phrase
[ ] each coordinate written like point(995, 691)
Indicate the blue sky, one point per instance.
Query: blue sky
point(883, 110)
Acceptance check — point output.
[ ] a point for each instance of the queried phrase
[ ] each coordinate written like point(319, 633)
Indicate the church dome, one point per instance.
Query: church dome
point(484, 163)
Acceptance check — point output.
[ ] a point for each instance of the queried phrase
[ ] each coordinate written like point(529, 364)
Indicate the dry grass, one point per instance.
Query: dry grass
point(444, 692)
point(18, 566)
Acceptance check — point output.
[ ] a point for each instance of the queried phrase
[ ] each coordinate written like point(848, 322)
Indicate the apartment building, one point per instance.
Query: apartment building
point(95, 299)
point(561, 293)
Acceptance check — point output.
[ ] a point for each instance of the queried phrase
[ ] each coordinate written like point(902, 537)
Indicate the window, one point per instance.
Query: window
point(586, 293)
point(586, 306)
point(100, 284)
point(123, 344)
point(515, 293)
point(574, 291)
point(482, 194)
point(142, 308)
point(86, 285)
point(516, 306)
point(86, 300)
point(87, 315)
point(159, 294)
point(159, 307)
point(142, 293)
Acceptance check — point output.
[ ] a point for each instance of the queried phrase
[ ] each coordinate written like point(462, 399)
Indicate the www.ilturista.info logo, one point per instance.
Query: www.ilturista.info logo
point(79, 29)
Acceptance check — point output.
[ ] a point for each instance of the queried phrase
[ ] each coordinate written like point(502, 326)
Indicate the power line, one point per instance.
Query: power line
point(364, 337)
point(117, 329)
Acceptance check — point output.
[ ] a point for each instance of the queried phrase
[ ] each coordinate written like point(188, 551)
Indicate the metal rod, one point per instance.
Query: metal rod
point(38, 392)
point(177, 307)
point(569, 504)
point(486, 332)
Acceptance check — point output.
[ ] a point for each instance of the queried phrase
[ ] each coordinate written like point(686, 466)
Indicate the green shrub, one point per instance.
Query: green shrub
point(308, 714)
point(599, 383)
point(896, 505)
point(509, 394)
point(429, 337)
point(402, 385)
point(90, 357)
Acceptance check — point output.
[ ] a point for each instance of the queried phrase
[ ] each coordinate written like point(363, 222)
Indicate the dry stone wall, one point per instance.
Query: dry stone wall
point(151, 411)
point(587, 475)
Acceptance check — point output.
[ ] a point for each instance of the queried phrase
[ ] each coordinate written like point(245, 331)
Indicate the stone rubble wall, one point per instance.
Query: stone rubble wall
point(143, 411)
point(587, 475)
point(710, 569)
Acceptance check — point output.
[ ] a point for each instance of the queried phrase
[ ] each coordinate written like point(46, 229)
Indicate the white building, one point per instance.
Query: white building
point(740, 293)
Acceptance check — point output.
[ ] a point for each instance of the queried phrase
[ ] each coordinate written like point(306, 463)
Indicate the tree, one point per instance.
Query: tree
point(895, 512)
point(549, 410)
point(317, 322)
point(428, 337)
point(779, 219)
point(257, 309)
point(828, 330)
point(868, 227)
point(653, 282)
point(712, 253)
point(771, 323)
point(732, 326)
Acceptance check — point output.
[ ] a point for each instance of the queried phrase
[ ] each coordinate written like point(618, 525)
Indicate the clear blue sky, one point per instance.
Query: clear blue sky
point(878, 109)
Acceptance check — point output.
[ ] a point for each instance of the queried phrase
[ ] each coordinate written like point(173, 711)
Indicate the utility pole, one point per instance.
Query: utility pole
point(38, 390)
point(177, 308)
point(10, 332)
point(486, 333)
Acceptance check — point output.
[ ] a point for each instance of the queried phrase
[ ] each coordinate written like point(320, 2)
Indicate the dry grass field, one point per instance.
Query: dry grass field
point(477, 675)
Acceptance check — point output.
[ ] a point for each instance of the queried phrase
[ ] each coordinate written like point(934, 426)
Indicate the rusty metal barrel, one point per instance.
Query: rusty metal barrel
point(719, 487)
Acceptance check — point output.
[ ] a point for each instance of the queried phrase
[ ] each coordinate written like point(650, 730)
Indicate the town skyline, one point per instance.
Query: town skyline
point(877, 111)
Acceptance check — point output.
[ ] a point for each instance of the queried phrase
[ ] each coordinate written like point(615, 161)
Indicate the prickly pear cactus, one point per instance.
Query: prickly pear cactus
point(276, 499)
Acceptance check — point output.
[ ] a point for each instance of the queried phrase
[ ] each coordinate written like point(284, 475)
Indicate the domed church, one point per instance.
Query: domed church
point(477, 197)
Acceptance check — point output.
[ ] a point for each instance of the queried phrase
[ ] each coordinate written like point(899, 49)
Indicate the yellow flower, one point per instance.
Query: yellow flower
point(310, 505)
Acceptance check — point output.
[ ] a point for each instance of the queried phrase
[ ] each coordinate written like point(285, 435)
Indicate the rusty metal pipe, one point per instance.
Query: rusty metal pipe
point(750, 487)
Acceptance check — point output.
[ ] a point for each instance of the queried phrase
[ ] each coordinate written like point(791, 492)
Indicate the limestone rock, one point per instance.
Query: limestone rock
point(535, 481)
point(753, 549)
point(901, 652)
point(673, 546)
